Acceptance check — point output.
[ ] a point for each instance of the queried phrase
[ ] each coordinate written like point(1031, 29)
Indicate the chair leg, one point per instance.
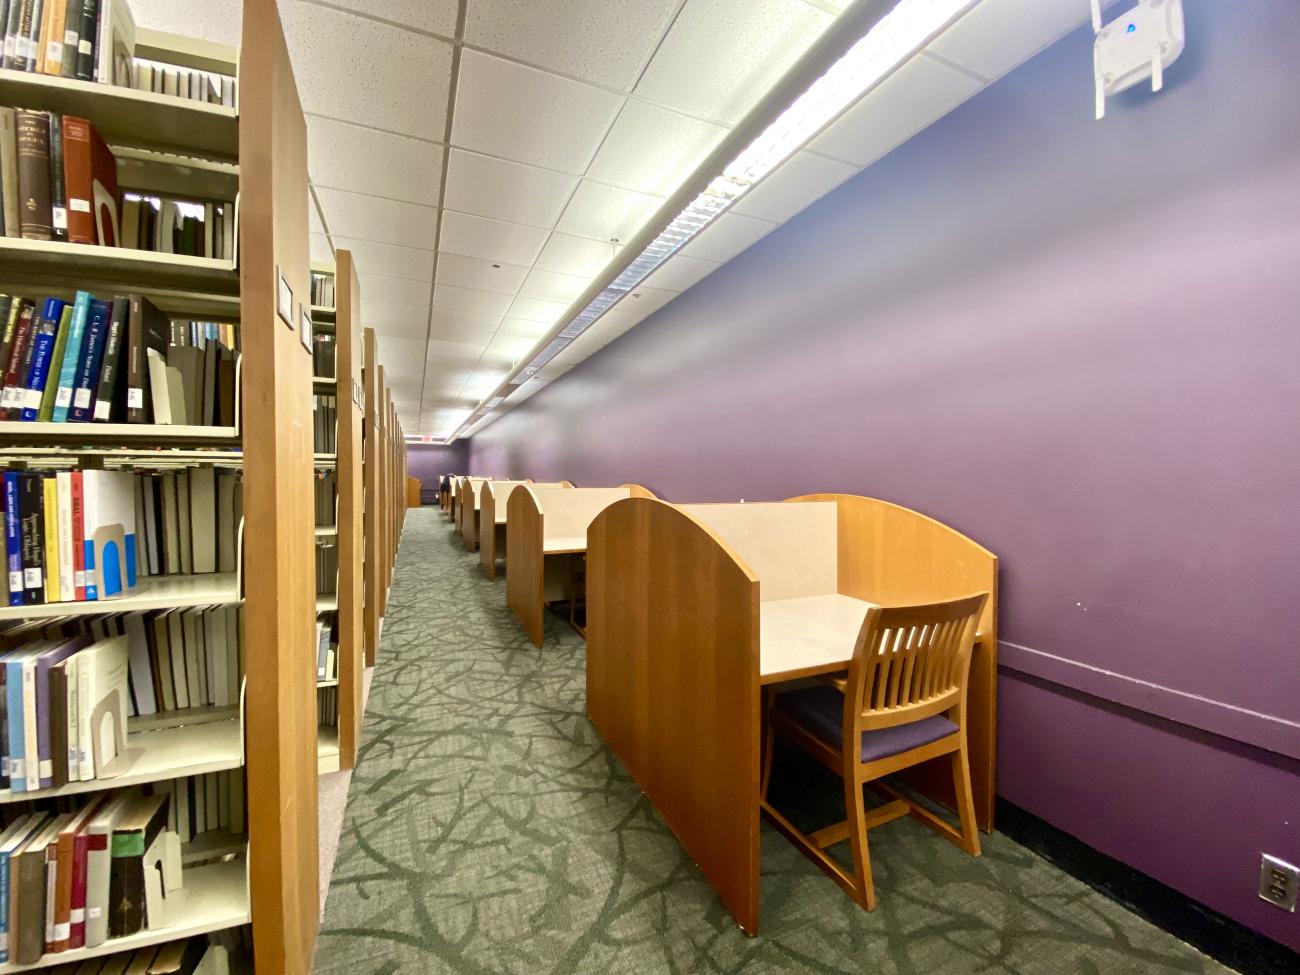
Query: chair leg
point(855, 808)
point(970, 834)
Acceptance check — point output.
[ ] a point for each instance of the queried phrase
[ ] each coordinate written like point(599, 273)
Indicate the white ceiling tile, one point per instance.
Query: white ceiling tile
point(652, 149)
point(334, 57)
point(575, 255)
point(320, 249)
point(456, 354)
point(450, 325)
point(408, 331)
point(377, 311)
point(518, 112)
point(389, 259)
point(212, 20)
point(403, 357)
point(438, 16)
point(729, 235)
point(605, 42)
point(538, 310)
point(524, 327)
point(343, 156)
point(474, 272)
point(606, 212)
point(555, 287)
point(448, 298)
point(404, 290)
point(718, 61)
point(802, 179)
point(511, 191)
point(918, 93)
point(680, 272)
point(997, 35)
point(491, 240)
point(481, 384)
point(371, 218)
point(510, 347)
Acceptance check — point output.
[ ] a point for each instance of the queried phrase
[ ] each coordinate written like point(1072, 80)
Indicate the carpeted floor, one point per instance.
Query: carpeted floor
point(488, 830)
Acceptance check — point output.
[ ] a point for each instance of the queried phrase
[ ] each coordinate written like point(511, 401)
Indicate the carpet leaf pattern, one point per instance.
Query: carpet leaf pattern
point(489, 831)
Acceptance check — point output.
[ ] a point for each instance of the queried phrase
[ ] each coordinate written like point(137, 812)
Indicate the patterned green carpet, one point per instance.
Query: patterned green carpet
point(488, 830)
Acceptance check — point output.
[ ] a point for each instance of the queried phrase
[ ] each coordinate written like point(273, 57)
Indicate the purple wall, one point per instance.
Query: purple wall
point(429, 462)
point(1078, 343)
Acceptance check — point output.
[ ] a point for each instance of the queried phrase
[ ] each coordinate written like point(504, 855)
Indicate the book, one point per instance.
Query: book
point(71, 38)
point(79, 533)
point(99, 868)
point(50, 504)
point(58, 191)
point(86, 40)
point(14, 837)
point(63, 507)
point(11, 399)
point(91, 357)
point(45, 335)
point(45, 661)
point(104, 668)
point(27, 916)
point(203, 519)
point(31, 502)
point(115, 44)
point(8, 325)
point(72, 353)
point(134, 831)
point(141, 669)
point(108, 516)
point(64, 856)
point(13, 539)
point(12, 225)
point(90, 175)
point(35, 217)
point(46, 412)
point(110, 407)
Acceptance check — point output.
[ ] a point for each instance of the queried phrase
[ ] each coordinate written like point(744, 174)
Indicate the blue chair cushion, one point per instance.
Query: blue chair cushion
point(820, 709)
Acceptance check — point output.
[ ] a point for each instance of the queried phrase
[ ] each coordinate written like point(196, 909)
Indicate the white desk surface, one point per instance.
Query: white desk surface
point(809, 635)
point(559, 546)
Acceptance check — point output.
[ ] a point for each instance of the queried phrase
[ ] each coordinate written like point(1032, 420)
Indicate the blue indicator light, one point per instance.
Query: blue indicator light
point(1131, 28)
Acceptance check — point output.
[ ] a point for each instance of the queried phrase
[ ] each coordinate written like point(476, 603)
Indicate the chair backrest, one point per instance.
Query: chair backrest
point(911, 663)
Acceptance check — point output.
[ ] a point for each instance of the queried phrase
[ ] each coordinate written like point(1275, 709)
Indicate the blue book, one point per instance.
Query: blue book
point(13, 665)
point(47, 333)
point(83, 397)
point(71, 357)
point(13, 540)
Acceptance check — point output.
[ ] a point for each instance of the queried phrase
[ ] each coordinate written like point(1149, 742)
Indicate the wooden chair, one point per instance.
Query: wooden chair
point(902, 702)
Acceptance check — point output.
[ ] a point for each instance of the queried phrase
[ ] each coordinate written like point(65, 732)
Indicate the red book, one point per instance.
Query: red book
point(78, 537)
point(11, 400)
point(90, 180)
point(77, 936)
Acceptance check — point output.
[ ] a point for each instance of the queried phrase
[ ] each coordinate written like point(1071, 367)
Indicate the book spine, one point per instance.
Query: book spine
point(22, 31)
point(4, 907)
point(126, 884)
point(67, 569)
point(77, 916)
point(46, 412)
point(4, 732)
point(13, 540)
point(11, 401)
point(35, 217)
point(42, 351)
point(54, 36)
point(88, 370)
point(78, 536)
point(71, 357)
point(7, 336)
point(86, 40)
point(71, 36)
point(53, 581)
point(105, 396)
point(17, 734)
point(58, 190)
point(31, 746)
point(44, 753)
point(30, 499)
point(78, 179)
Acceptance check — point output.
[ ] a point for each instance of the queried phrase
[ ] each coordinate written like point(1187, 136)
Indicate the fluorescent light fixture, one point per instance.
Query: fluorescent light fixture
point(894, 38)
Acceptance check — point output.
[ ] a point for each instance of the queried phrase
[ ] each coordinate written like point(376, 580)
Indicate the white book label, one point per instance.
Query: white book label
point(16, 581)
point(101, 410)
point(81, 400)
point(33, 578)
point(135, 398)
point(78, 204)
point(63, 397)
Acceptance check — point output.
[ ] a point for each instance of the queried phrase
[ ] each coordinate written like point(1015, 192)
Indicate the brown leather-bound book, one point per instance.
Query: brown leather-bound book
point(35, 217)
point(133, 833)
point(90, 179)
point(27, 931)
point(9, 171)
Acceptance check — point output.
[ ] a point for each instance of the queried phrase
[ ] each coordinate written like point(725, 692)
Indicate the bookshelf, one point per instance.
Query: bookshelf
point(373, 491)
point(173, 146)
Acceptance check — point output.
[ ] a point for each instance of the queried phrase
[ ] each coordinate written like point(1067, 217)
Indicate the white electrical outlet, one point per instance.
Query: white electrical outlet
point(1279, 882)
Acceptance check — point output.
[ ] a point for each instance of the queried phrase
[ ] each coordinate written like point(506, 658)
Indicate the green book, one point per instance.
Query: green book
point(46, 413)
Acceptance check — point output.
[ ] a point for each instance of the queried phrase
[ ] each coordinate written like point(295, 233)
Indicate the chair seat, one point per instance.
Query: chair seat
point(820, 710)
